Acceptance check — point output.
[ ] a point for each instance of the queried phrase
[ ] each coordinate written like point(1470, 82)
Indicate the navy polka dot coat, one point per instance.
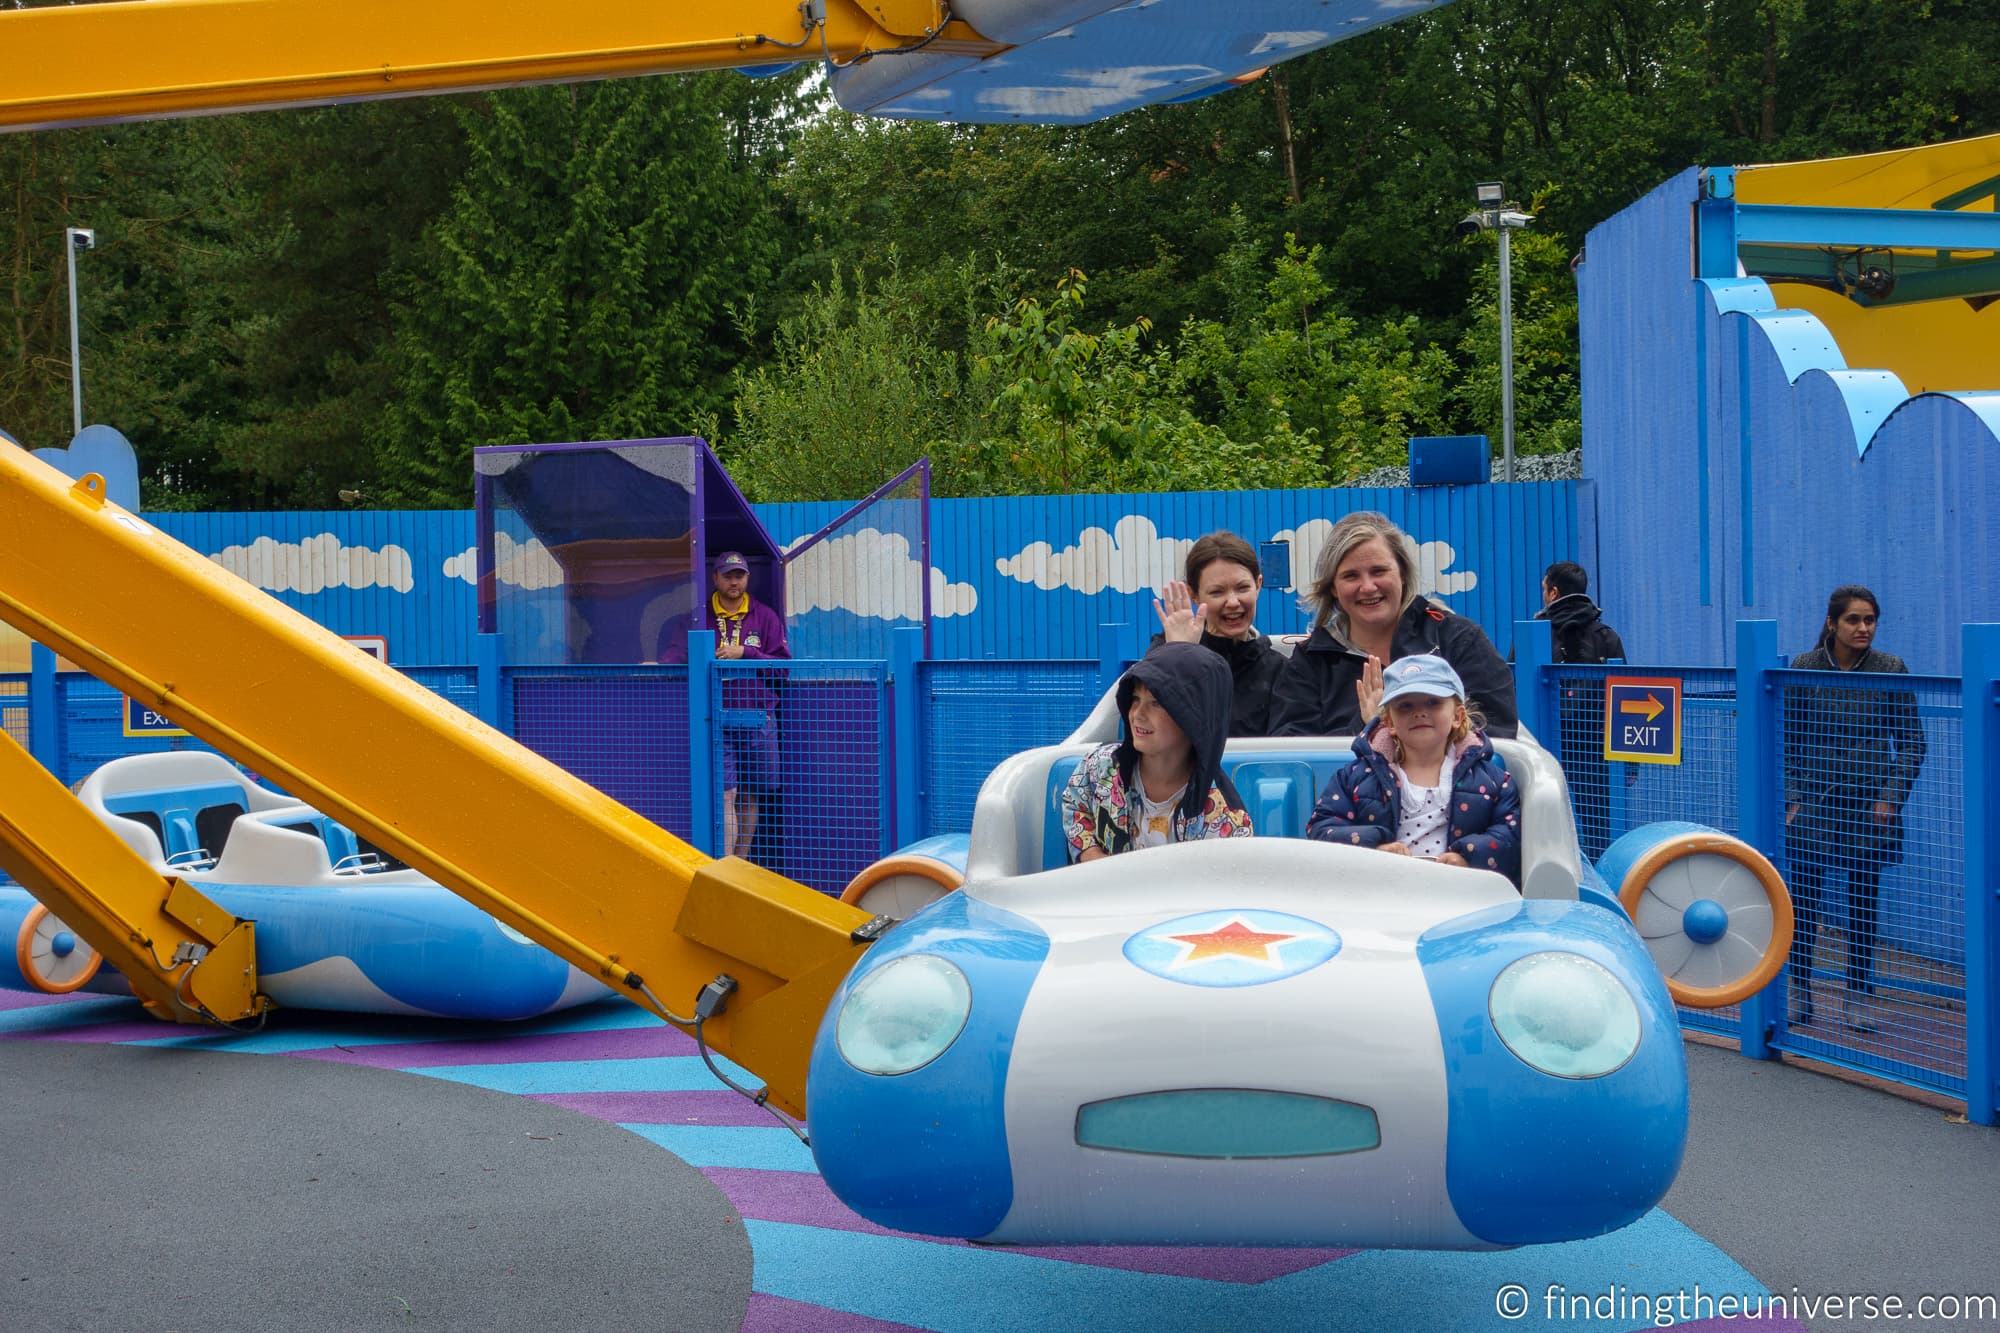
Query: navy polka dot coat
point(1362, 804)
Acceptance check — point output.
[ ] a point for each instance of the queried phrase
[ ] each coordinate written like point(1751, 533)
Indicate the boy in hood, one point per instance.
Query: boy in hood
point(1164, 781)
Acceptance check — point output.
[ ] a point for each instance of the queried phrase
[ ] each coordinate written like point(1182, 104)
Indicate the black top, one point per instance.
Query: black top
point(1868, 741)
point(1254, 665)
point(1193, 685)
point(1314, 694)
point(1580, 632)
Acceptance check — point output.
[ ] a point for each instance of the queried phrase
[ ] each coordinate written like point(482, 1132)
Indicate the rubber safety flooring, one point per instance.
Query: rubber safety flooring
point(664, 1201)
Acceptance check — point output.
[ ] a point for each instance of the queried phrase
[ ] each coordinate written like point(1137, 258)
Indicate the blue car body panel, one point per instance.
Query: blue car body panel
point(865, 1127)
point(1532, 1157)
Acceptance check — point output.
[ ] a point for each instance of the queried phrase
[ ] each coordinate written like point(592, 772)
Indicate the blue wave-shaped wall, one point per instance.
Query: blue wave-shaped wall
point(1743, 470)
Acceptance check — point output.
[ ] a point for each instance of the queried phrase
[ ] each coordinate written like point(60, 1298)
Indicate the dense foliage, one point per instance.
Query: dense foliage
point(1257, 289)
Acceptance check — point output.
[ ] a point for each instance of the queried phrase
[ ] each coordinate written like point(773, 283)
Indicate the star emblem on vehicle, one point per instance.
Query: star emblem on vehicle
point(1233, 939)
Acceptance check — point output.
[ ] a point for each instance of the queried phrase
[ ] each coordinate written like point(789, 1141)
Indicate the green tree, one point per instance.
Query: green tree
point(858, 386)
point(1548, 402)
point(583, 279)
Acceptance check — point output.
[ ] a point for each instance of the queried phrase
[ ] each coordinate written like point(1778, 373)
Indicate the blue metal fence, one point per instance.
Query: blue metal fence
point(624, 730)
point(1873, 846)
point(14, 716)
point(833, 764)
point(975, 714)
point(798, 761)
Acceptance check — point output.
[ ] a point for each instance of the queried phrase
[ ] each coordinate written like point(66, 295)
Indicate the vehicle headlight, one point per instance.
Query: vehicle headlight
point(903, 1015)
point(1565, 1015)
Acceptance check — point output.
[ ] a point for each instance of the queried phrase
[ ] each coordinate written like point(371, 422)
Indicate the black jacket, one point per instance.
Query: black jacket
point(1580, 632)
point(1869, 742)
point(1314, 694)
point(1254, 664)
point(1193, 685)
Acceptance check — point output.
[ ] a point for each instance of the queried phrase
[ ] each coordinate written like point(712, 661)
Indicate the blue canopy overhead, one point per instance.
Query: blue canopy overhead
point(1081, 60)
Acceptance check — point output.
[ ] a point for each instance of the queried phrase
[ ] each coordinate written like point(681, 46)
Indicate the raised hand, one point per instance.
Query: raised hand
point(1181, 619)
point(1368, 690)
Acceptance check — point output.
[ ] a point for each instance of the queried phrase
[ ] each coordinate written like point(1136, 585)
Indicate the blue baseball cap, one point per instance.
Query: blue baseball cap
point(729, 560)
point(1421, 673)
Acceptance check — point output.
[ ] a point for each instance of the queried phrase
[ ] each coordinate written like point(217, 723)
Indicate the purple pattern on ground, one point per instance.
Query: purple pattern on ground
point(615, 1044)
point(803, 1199)
point(775, 1314)
point(21, 999)
point(131, 1029)
point(720, 1107)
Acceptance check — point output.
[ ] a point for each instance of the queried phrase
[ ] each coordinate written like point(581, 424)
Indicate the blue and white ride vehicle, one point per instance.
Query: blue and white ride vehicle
point(339, 925)
point(1262, 1041)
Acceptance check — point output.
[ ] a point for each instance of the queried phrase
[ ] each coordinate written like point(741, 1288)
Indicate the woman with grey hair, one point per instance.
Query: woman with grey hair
point(1366, 614)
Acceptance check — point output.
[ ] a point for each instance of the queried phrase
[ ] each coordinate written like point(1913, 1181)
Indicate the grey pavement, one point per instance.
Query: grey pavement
point(145, 1189)
point(1819, 1185)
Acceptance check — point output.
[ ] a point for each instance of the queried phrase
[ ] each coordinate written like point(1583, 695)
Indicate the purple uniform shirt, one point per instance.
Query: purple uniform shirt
point(761, 633)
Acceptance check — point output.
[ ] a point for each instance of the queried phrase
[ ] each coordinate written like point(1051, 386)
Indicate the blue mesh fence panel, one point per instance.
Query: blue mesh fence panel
point(975, 714)
point(622, 730)
point(1612, 799)
point(14, 707)
point(1874, 854)
point(458, 684)
point(805, 748)
point(92, 717)
point(14, 719)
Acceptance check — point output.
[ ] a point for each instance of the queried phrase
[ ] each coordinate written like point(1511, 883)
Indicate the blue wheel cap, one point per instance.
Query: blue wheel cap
point(1705, 921)
point(62, 944)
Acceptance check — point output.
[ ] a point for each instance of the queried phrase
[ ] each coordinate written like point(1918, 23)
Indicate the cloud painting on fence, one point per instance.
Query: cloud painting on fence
point(871, 573)
point(517, 564)
point(1134, 557)
point(316, 564)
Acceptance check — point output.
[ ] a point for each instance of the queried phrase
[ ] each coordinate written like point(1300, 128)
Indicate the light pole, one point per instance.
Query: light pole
point(75, 239)
point(1494, 215)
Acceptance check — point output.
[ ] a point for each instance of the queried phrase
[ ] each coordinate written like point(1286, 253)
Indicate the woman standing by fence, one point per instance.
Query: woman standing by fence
point(1851, 756)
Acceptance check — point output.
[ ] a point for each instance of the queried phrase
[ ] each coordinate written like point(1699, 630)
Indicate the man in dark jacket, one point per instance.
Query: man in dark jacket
point(1580, 632)
point(1581, 637)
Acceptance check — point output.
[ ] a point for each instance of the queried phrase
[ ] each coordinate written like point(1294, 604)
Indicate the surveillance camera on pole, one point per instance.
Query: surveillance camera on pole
point(1493, 214)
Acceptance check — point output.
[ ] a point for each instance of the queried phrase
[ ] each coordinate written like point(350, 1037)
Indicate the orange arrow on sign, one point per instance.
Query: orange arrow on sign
point(1650, 706)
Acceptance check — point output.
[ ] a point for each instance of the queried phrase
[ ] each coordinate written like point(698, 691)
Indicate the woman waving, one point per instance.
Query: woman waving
point(1366, 614)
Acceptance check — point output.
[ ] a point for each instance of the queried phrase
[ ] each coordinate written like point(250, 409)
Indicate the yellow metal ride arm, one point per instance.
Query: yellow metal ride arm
point(186, 958)
point(494, 822)
point(144, 59)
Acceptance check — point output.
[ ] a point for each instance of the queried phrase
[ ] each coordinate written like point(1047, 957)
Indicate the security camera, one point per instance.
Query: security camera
point(1513, 217)
point(1472, 224)
point(83, 238)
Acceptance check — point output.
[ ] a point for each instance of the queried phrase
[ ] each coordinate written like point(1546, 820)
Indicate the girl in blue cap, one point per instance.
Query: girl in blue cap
point(1424, 780)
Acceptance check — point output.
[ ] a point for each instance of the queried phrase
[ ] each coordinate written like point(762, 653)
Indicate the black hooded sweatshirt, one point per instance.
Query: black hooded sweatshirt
point(1580, 632)
point(1194, 685)
point(1254, 665)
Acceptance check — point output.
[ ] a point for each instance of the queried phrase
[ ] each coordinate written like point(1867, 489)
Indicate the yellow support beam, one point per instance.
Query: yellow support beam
point(184, 956)
point(496, 823)
point(144, 59)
